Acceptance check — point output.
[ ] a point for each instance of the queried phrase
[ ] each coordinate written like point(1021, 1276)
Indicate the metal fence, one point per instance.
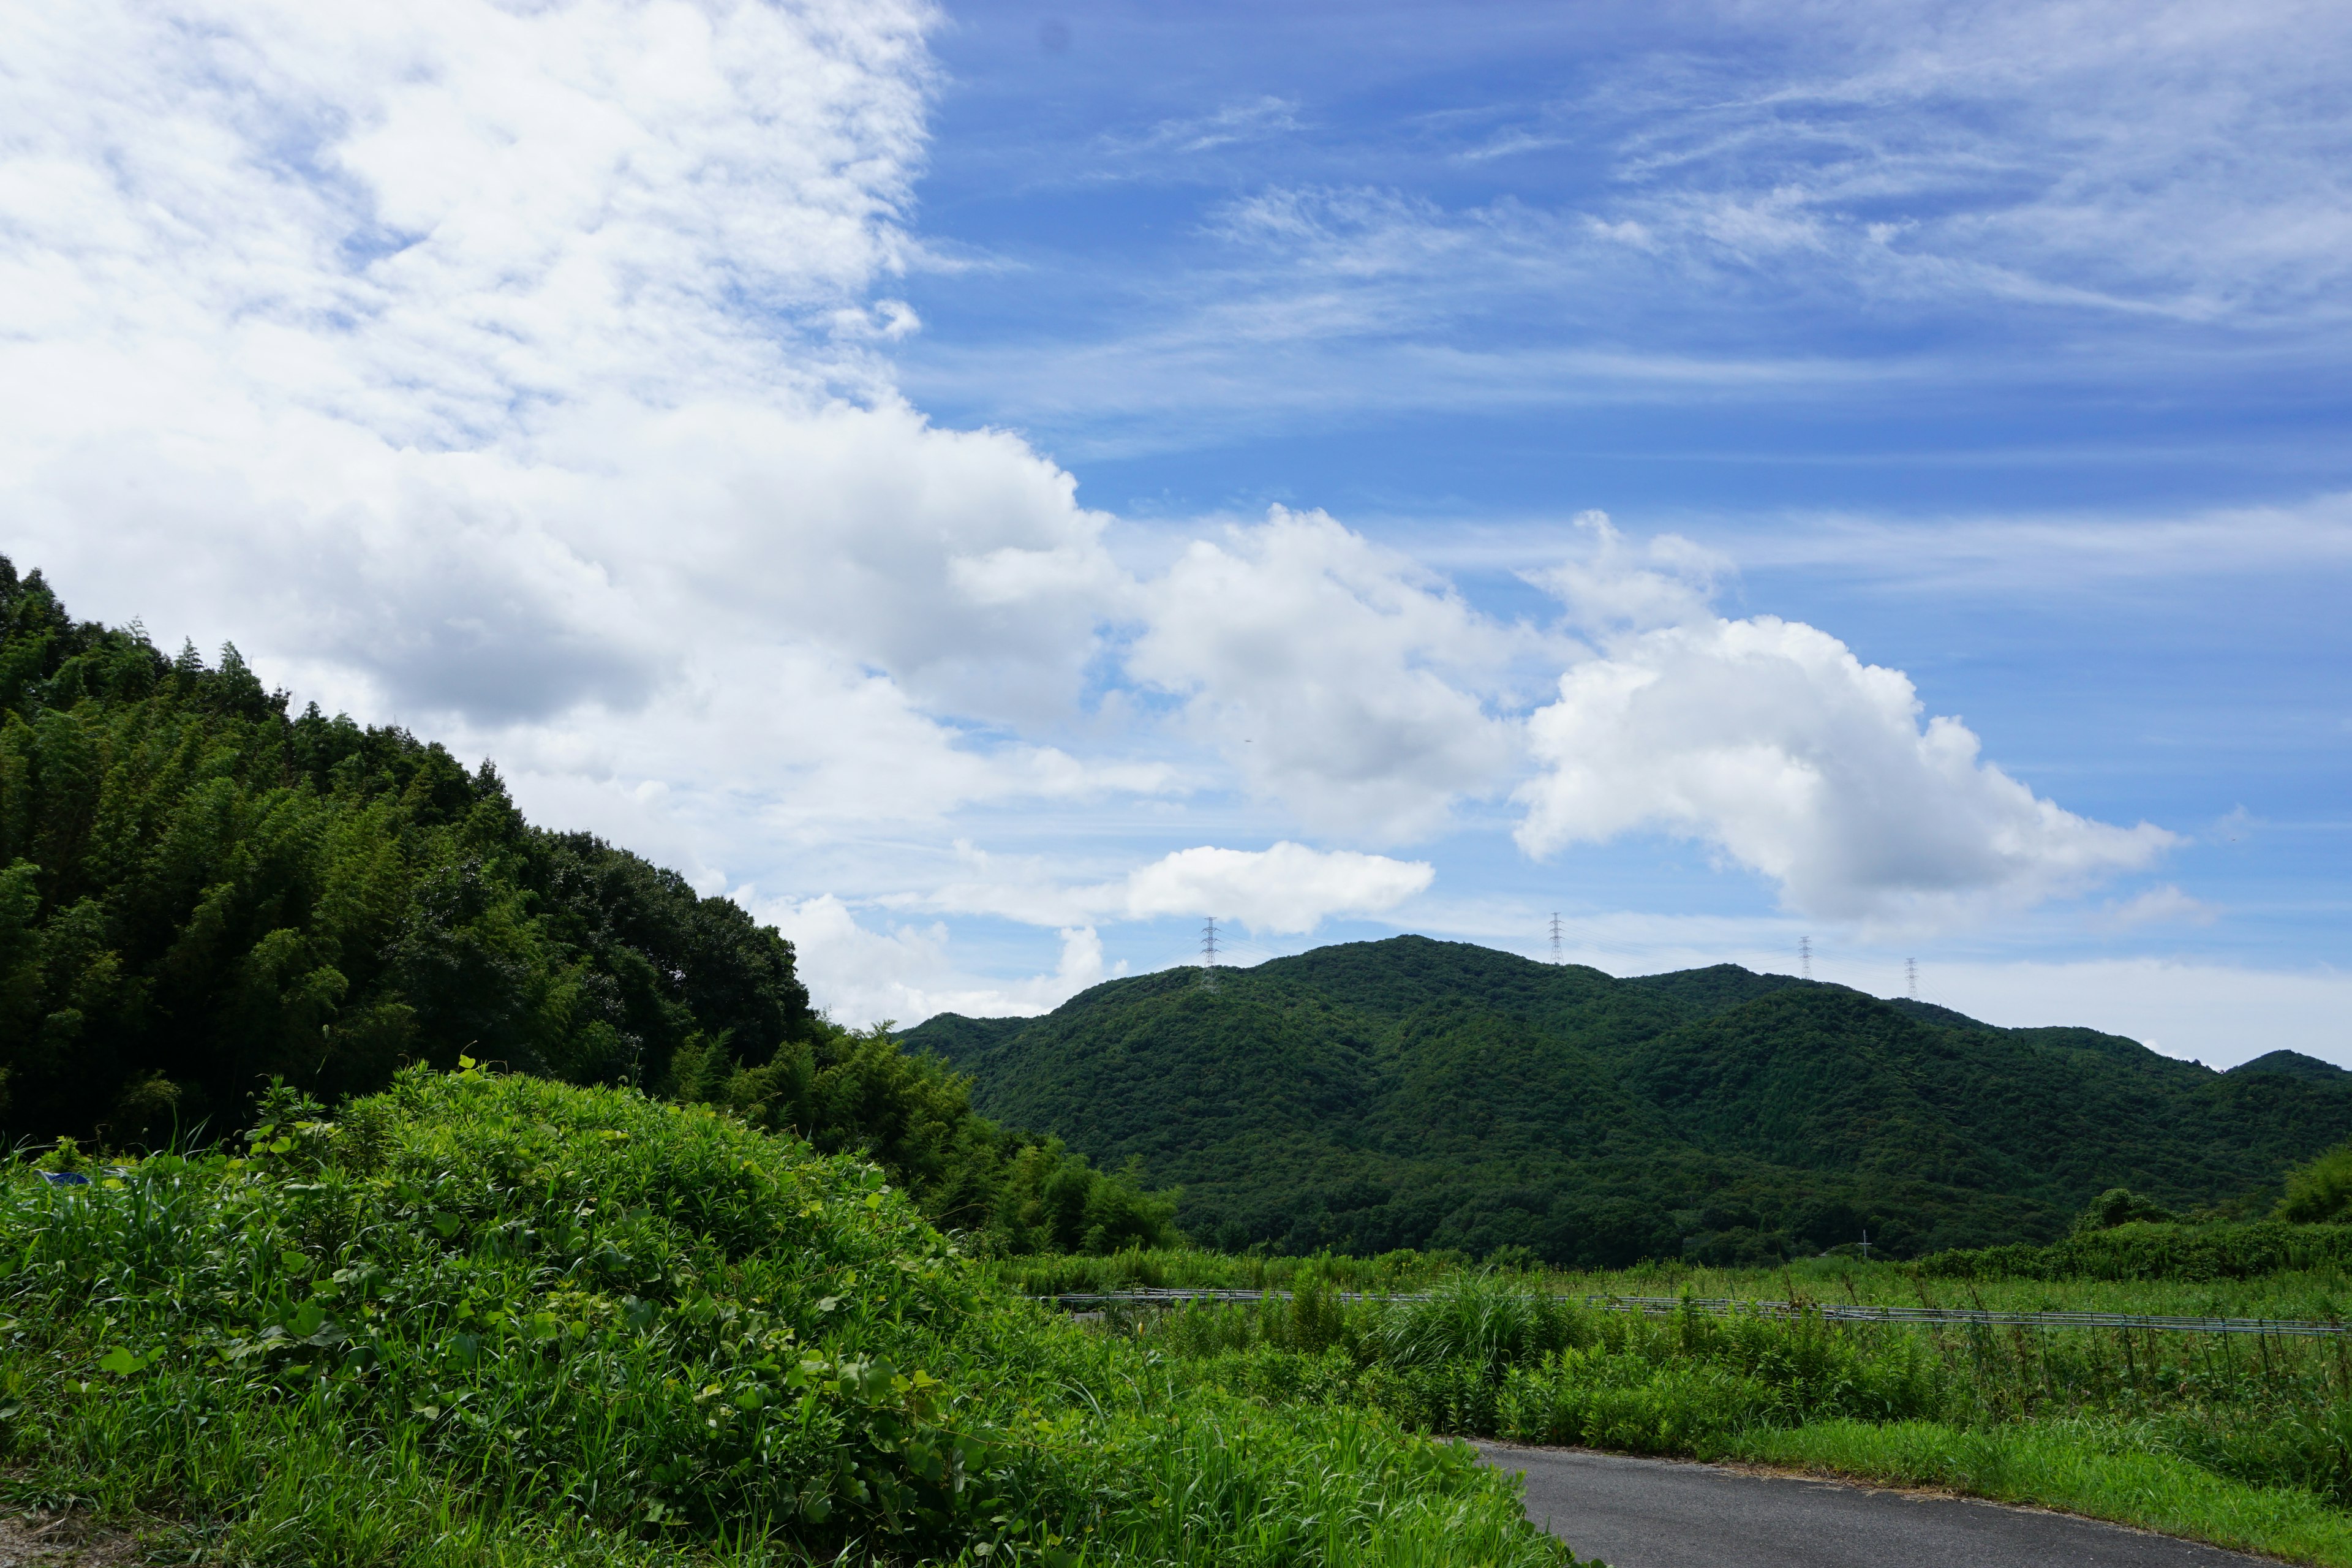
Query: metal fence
point(1726, 1307)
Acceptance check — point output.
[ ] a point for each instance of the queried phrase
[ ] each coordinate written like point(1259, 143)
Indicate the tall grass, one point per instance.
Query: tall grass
point(2321, 1292)
point(1485, 1356)
point(501, 1319)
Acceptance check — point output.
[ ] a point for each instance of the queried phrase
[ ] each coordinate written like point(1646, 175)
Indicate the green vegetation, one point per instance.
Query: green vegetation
point(505, 1320)
point(2157, 1251)
point(2243, 1442)
point(1438, 1096)
point(2242, 1439)
point(2324, 1293)
point(200, 894)
point(2097, 1472)
point(2321, 1190)
point(706, 1275)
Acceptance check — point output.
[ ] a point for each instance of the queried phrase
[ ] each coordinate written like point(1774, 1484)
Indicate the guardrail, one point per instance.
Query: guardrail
point(1727, 1307)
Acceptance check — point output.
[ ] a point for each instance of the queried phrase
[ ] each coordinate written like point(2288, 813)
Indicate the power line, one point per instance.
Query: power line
point(1555, 937)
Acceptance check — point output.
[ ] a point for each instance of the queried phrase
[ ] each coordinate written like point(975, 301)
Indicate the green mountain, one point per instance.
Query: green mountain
point(1427, 1094)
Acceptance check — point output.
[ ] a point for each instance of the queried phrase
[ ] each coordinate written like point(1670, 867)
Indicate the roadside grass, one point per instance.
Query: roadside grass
point(2318, 1293)
point(2242, 1444)
point(499, 1320)
point(2098, 1473)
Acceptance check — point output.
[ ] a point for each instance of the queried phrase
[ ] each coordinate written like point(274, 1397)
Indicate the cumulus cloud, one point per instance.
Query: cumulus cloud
point(906, 973)
point(1770, 741)
point(1337, 676)
point(508, 371)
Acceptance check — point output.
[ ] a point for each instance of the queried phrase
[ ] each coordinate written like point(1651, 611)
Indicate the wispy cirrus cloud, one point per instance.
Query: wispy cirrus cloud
point(2127, 189)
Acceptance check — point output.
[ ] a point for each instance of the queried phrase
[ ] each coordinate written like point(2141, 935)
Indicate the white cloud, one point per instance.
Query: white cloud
point(513, 373)
point(1796, 197)
point(2166, 905)
point(1770, 741)
point(2018, 554)
point(1287, 887)
point(1250, 121)
point(1614, 585)
point(503, 372)
point(906, 973)
point(1335, 675)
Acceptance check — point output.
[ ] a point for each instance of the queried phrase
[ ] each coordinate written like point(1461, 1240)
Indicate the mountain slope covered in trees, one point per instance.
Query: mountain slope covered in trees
point(1417, 1093)
point(201, 892)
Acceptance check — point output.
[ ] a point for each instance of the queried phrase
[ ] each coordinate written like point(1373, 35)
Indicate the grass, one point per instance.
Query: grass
point(2095, 1472)
point(2321, 1293)
point(2243, 1442)
point(500, 1321)
point(485, 1319)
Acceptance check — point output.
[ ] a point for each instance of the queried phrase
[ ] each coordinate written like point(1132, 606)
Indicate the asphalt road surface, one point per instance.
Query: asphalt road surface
point(1658, 1513)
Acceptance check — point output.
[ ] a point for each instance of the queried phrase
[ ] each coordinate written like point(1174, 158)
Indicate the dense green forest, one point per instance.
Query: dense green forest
point(201, 892)
point(1412, 1094)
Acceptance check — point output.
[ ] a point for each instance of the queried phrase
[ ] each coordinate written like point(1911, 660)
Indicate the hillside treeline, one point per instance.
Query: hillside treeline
point(201, 892)
point(1416, 1094)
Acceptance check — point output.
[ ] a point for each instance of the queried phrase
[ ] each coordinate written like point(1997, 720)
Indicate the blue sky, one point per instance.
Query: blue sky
point(2089, 501)
point(991, 487)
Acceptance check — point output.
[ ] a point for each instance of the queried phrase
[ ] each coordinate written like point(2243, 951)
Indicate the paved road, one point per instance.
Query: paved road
point(1658, 1513)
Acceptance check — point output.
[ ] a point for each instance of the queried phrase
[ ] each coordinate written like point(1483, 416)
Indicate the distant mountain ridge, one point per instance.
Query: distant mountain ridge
point(1418, 1093)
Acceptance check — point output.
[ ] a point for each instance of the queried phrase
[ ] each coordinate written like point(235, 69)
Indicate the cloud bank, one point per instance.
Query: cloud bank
point(521, 374)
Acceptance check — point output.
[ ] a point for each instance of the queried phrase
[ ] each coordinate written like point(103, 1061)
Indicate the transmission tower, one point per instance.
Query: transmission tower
point(1911, 974)
point(1805, 956)
point(1209, 955)
point(1555, 937)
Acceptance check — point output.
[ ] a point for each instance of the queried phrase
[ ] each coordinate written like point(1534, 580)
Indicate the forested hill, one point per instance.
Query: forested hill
point(199, 891)
point(1418, 1093)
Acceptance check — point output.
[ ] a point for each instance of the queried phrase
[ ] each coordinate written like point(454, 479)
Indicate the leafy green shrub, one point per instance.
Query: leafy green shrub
point(480, 1317)
point(2321, 1189)
point(2121, 1206)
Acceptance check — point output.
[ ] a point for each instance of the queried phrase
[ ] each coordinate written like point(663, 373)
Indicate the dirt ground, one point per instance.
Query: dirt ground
point(64, 1540)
